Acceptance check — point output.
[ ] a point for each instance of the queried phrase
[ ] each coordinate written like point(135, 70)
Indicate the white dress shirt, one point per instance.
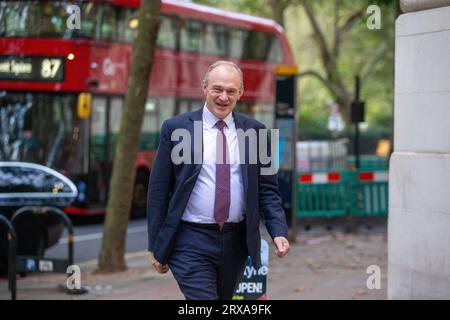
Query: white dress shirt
point(200, 207)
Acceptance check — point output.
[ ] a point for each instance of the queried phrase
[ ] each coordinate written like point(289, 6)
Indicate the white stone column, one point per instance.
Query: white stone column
point(419, 191)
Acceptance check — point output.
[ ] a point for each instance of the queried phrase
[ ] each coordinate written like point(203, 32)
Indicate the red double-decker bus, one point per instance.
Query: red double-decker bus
point(62, 87)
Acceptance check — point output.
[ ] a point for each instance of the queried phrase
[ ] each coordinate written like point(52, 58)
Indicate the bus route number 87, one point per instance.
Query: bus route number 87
point(50, 67)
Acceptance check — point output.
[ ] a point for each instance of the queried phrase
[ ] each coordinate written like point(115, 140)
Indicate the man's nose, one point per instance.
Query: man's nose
point(223, 95)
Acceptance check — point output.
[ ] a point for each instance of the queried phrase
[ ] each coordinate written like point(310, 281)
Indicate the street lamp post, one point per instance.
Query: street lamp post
point(357, 116)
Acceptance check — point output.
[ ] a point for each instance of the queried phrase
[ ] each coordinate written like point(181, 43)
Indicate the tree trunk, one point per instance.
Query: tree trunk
point(329, 57)
point(344, 99)
point(112, 254)
point(277, 8)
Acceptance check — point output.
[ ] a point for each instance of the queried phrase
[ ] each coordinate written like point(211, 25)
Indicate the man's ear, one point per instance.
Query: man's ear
point(204, 87)
point(241, 92)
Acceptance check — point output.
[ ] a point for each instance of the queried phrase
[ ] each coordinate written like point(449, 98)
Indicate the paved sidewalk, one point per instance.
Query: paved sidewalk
point(323, 266)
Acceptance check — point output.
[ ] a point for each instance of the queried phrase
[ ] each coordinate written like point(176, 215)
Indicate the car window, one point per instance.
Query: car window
point(23, 179)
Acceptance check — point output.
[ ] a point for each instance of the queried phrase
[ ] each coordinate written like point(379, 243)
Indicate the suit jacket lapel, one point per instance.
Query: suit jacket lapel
point(241, 123)
point(196, 150)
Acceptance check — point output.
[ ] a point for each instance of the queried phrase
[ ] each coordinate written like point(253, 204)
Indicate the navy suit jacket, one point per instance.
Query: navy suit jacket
point(171, 184)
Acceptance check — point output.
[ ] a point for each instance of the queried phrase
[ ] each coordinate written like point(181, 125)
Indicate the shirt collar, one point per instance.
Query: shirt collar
point(211, 119)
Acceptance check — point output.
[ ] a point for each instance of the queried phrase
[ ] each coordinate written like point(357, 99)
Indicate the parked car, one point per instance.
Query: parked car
point(28, 184)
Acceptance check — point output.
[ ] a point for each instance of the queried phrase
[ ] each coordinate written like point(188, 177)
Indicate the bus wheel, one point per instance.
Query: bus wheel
point(139, 204)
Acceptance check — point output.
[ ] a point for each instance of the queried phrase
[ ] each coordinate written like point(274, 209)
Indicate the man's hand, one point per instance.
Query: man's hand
point(160, 268)
point(282, 245)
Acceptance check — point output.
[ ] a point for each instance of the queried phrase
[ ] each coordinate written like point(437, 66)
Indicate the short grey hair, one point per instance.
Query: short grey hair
point(223, 63)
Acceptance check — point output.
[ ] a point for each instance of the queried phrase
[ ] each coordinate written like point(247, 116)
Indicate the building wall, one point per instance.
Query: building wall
point(419, 195)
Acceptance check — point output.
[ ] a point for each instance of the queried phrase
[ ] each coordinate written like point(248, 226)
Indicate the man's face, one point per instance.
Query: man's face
point(223, 90)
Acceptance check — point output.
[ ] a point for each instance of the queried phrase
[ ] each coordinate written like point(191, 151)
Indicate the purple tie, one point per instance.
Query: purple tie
point(222, 195)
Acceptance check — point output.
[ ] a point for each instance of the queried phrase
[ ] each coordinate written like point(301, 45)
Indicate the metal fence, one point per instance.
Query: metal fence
point(342, 193)
point(368, 193)
point(321, 194)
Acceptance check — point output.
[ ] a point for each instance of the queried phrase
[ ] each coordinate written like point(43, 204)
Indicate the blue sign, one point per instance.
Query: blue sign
point(253, 284)
point(31, 265)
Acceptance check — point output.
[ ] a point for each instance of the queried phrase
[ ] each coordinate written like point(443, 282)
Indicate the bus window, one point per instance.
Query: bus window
point(53, 19)
point(197, 104)
point(108, 29)
point(97, 164)
point(32, 19)
point(237, 38)
point(257, 46)
point(42, 128)
point(150, 117)
point(275, 52)
point(167, 35)
point(115, 114)
point(166, 108)
point(150, 129)
point(127, 25)
point(182, 106)
point(10, 19)
point(98, 129)
point(192, 36)
point(215, 40)
point(91, 14)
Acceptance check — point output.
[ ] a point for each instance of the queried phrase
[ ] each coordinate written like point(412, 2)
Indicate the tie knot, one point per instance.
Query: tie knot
point(220, 125)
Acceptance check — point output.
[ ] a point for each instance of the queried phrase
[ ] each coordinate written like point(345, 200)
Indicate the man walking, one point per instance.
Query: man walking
point(203, 218)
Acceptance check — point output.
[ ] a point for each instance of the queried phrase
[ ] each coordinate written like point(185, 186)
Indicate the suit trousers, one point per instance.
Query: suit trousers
point(206, 261)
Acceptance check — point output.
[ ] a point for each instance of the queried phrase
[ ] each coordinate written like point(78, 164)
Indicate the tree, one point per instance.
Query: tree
point(111, 257)
point(277, 8)
point(345, 16)
point(332, 44)
point(273, 9)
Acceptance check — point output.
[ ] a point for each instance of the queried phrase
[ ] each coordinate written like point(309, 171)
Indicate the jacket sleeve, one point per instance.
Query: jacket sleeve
point(270, 207)
point(160, 186)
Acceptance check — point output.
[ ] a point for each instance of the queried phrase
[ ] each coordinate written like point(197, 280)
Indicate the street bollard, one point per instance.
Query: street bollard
point(41, 264)
point(35, 210)
point(12, 238)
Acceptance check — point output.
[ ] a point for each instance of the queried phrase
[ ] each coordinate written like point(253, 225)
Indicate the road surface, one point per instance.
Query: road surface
point(88, 240)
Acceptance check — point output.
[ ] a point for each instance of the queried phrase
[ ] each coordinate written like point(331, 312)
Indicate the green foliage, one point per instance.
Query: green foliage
point(313, 124)
point(369, 53)
point(362, 51)
point(253, 7)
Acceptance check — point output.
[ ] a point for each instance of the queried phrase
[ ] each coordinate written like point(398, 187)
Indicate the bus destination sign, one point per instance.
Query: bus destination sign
point(32, 68)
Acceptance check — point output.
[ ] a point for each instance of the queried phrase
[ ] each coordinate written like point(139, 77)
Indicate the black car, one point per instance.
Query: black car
point(28, 184)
